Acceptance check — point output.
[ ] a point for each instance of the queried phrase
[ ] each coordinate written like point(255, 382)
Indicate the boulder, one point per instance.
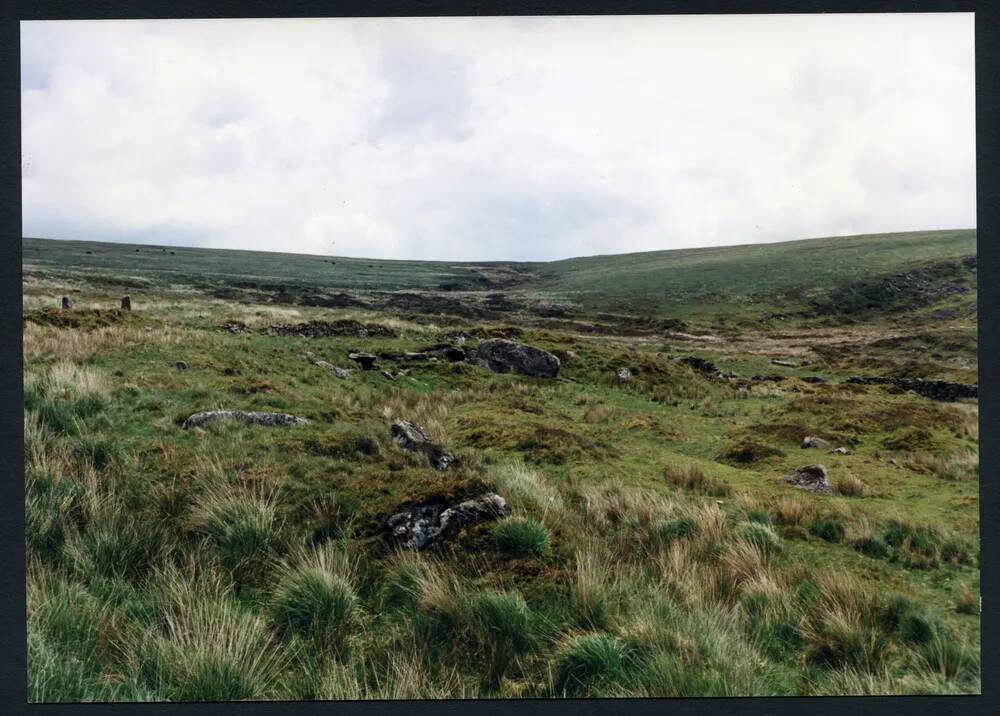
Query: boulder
point(339, 372)
point(422, 525)
point(810, 477)
point(811, 441)
point(413, 438)
point(365, 360)
point(249, 417)
point(503, 356)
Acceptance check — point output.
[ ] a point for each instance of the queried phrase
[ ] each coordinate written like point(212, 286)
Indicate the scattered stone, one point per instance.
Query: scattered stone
point(322, 329)
point(810, 477)
point(811, 441)
point(700, 364)
point(504, 356)
point(181, 365)
point(624, 375)
point(236, 327)
point(768, 378)
point(126, 303)
point(66, 304)
point(337, 371)
point(840, 451)
point(413, 438)
point(449, 353)
point(941, 390)
point(420, 526)
point(249, 417)
point(365, 360)
point(784, 363)
point(388, 374)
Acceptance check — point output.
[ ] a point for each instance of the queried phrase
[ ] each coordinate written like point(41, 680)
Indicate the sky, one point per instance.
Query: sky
point(496, 138)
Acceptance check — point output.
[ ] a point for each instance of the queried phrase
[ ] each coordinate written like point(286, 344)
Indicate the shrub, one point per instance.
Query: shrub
point(828, 530)
point(522, 537)
point(316, 604)
point(591, 664)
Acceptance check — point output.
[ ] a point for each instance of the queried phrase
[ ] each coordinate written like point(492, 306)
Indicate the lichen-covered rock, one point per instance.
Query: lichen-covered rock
point(810, 477)
point(503, 356)
point(249, 417)
point(339, 372)
point(811, 441)
point(413, 438)
point(624, 375)
point(422, 525)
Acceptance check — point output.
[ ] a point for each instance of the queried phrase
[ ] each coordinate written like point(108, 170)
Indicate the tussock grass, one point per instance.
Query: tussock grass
point(689, 477)
point(525, 537)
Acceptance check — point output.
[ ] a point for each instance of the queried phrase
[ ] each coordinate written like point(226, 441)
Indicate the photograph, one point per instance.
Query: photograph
point(499, 357)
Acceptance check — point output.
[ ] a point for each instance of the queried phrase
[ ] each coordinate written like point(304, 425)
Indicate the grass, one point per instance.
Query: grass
point(651, 551)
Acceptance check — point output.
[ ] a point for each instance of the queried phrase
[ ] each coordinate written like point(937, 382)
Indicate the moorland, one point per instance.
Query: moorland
point(744, 470)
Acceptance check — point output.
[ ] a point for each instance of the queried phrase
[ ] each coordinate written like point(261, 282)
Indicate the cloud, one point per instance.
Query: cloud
point(497, 138)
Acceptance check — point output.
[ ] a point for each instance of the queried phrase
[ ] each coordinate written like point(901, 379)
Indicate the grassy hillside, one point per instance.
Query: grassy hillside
point(760, 278)
point(651, 550)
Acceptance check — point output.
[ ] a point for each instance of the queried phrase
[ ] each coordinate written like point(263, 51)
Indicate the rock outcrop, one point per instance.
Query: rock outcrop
point(503, 356)
point(942, 390)
point(810, 477)
point(413, 438)
point(810, 441)
point(249, 417)
point(422, 525)
point(365, 360)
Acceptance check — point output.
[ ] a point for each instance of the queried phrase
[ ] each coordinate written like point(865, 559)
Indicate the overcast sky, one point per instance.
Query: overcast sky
point(497, 138)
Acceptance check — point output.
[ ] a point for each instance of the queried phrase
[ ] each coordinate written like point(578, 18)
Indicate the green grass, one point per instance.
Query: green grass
point(651, 551)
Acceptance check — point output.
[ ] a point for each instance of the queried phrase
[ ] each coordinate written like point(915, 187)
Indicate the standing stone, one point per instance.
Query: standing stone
point(66, 305)
point(126, 303)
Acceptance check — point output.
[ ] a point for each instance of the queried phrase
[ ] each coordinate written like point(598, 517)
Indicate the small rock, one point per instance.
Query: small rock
point(810, 477)
point(420, 355)
point(339, 372)
point(814, 379)
point(784, 363)
point(249, 417)
point(181, 365)
point(624, 375)
point(813, 442)
point(388, 375)
point(365, 360)
point(840, 451)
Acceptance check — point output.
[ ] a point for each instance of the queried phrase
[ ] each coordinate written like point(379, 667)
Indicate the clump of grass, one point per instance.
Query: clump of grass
point(591, 591)
point(501, 624)
point(317, 601)
point(116, 547)
point(793, 511)
point(244, 530)
point(873, 546)
point(693, 479)
point(760, 536)
point(967, 601)
point(828, 530)
point(523, 537)
point(591, 664)
point(961, 465)
point(402, 581)
point(849, 486)
point(517, 482)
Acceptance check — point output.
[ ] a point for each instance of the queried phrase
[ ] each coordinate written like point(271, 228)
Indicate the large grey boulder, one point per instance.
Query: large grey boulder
point(420, 526)
point(249, 417)
point(810, 477)
point(503, 356)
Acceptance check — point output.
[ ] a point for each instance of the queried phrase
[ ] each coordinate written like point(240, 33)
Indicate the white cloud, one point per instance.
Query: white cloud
point(497, 138)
